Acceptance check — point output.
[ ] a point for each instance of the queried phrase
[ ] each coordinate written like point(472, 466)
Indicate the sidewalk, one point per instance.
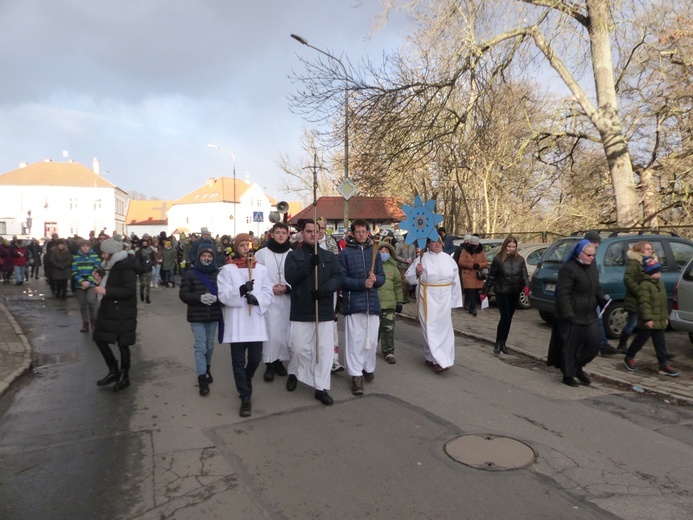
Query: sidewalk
point(15, 351)
point(529, 336)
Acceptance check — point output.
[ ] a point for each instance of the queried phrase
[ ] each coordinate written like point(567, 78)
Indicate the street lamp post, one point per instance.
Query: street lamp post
point(234, 181)
point(303, 41)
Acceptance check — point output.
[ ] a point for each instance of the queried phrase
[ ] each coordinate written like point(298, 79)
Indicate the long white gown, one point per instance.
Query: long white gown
point(243, 322)
point(438, 292)
point(277, 346)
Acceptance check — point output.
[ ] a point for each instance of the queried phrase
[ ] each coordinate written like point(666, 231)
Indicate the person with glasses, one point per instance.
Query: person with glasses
point(575, 335)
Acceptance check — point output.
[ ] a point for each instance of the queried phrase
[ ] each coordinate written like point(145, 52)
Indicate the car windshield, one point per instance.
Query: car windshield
point(557, 253)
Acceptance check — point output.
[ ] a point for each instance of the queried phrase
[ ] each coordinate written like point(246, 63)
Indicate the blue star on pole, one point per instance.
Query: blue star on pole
point(421, 222)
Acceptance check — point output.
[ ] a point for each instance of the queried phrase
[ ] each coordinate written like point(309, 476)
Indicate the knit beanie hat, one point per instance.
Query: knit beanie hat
point(651, 265)
point(112, 245)
point(594, 237)
point(241, 237)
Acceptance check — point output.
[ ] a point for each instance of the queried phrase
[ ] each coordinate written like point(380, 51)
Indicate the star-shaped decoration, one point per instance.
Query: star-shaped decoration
point(421, 222)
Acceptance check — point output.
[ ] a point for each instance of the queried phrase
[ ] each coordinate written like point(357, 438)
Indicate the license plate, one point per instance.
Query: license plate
point(550, 287)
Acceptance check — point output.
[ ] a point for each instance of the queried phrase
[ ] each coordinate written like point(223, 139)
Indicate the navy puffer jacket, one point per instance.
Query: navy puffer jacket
point(355, 260)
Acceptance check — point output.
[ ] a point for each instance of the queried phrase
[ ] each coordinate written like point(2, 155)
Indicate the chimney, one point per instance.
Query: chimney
point(96, 166)
point(23, 164)
point(210, 182)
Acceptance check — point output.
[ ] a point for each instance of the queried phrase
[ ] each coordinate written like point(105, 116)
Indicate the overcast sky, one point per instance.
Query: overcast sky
point(145, 85)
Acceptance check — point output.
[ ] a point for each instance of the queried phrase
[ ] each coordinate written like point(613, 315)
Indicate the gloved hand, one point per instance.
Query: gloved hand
point(317, 294)
point(314, 260)
point(475, 266)
point(398, 308)
point(252, 300)
point(246, 287)
point(525, 290)
point(208, 298)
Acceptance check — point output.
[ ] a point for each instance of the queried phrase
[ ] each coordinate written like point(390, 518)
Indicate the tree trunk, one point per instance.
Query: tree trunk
point(606, 119)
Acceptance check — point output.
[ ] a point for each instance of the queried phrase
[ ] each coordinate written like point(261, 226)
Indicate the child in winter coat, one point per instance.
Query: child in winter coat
point(652, 318)
point(391, 296)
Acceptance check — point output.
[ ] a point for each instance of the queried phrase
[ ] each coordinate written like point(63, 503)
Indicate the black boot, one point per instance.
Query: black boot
point(246, 408)
point(203, 382)
point(497, 348)
point(210, 379)
point(112, 376)
point(504, 349)
point(123, 381)
point(111, 362)
point(141, 296)
point(279, 368)
point(269, 372)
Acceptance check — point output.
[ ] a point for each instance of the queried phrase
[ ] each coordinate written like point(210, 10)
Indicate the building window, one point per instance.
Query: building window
point(97, 204)
point(3, 228)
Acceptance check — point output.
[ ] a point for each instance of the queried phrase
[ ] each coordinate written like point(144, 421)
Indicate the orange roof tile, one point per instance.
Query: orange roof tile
point(152, 212)
point(369, 208)
point(215, 190)
point(55, 174)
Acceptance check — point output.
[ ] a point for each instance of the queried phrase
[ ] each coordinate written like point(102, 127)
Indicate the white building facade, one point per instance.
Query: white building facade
point(66, 198)
point(222, 208)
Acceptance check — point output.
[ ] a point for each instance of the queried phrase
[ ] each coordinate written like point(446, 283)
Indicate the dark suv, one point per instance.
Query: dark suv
point(673, 251)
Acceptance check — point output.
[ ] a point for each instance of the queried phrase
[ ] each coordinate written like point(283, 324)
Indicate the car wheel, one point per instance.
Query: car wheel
point(523, 303)
point(546, 316)
point(614, 319)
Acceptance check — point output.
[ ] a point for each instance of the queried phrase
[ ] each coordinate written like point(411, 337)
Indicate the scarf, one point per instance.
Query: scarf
point(114, 259)
point(276, 247)
point(242, 262)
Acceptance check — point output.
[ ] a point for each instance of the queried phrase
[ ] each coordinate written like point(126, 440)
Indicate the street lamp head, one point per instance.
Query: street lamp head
point(300, 40)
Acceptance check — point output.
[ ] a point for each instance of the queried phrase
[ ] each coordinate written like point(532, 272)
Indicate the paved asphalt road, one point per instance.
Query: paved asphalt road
point(159, 450)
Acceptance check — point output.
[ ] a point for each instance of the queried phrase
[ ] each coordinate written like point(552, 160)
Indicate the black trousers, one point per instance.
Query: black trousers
point(245, 358)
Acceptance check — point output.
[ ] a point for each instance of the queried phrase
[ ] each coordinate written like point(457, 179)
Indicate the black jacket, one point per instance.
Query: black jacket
point(117, 318)
point(507, 277)
point(300, 274)
point(191, 288)
point(578, 293)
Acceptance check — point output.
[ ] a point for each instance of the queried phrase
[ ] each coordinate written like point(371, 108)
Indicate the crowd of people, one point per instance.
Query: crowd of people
point(276, 299)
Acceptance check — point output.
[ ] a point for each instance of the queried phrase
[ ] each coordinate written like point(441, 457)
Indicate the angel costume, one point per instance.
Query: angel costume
point(438, 292)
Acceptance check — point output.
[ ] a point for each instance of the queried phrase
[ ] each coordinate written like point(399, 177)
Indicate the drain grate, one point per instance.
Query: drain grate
point(490, 452)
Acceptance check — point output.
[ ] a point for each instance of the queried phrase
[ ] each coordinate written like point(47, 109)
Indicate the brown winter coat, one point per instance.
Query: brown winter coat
point(466, 262)
point(61, 263)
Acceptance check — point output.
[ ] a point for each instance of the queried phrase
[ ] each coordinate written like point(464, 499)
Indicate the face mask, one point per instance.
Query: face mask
point(205, 261)
point(384, 256)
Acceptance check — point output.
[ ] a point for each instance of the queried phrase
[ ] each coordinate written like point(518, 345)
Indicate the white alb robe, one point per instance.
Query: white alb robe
point(243, 322)
point(302, 347)
point(277, 346)
point(438, 292)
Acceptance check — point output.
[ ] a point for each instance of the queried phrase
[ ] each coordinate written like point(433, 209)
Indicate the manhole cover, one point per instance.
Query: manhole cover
point(490, 452)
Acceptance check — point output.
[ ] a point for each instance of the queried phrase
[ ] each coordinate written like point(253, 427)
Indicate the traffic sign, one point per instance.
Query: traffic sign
point(257, 216)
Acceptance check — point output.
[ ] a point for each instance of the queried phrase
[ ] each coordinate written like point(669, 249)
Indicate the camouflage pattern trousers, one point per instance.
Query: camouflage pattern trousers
point(386, 331)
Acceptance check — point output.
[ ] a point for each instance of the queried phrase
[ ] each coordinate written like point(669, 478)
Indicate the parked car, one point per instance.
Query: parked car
point(681, 316)
point(674, 253)
point(532, 254)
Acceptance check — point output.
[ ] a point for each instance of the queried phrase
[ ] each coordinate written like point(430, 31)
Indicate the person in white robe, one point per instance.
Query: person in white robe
point(438, 292)
point(247, 295)
point(311, 341)
point(363, 274)
point(276, 349)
